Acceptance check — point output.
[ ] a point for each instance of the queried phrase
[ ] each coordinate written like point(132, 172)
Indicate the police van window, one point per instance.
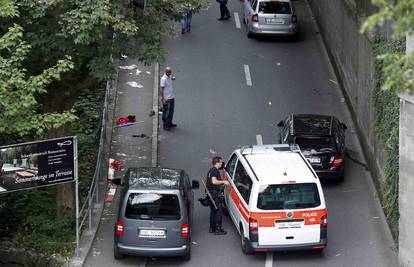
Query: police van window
point(243, 182)
point(288, 196)
point(152, 206)
point(231, 164)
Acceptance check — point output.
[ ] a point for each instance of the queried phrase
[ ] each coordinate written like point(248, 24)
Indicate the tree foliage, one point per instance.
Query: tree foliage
point(398, 67)
point(19, 90)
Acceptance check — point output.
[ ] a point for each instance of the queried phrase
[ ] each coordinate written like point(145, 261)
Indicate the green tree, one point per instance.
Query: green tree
point(398, 68)
point(19, 107)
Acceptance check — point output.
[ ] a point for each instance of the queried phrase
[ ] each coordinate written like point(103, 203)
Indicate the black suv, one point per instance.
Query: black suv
point(321, 139)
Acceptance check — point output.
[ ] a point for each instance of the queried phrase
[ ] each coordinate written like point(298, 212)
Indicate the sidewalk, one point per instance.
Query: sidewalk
point(134, 145)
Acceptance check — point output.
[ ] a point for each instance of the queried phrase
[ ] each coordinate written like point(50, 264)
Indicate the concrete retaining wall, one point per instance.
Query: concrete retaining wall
point(406, 184)
point(352, 55)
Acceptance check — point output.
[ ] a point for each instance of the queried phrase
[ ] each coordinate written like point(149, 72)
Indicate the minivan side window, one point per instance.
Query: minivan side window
point(231, 164)
point(243, 182)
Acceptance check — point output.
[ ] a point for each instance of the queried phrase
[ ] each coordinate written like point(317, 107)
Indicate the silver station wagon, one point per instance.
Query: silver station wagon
point(270, 17)
point(155, 213)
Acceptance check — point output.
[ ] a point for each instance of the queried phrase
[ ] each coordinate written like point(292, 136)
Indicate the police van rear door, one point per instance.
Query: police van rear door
point(290, 214)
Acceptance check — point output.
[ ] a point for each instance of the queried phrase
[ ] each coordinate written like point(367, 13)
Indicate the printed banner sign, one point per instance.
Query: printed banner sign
point(36, 164)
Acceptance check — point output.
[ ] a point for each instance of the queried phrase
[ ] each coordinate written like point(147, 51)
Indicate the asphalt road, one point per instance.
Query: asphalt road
point(216, 111)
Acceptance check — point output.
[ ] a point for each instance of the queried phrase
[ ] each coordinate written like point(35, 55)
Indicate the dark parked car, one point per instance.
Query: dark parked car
point(321, 139)
point(155, 213)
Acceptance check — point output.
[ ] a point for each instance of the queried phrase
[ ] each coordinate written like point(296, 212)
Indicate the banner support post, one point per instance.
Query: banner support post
point(75, 152)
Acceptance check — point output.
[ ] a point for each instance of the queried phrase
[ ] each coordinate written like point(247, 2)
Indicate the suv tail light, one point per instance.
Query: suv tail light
point(294, 18)
point(336, 162)
point(253, 224)
point(255, 18)
point(324, 221)
point(119, 228)
point(185, 230)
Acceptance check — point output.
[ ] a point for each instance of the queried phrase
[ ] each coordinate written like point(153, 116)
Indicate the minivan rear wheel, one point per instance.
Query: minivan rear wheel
point(187, 256)
point(117, 254)
point(245, 247)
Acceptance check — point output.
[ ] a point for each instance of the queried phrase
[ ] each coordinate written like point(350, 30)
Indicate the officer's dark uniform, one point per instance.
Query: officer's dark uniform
point(216, 192)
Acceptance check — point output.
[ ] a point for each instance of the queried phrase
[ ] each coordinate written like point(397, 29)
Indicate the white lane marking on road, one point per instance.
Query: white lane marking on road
point(259, 139)
point(237, 20)
point(247, 75)
point(269, 259)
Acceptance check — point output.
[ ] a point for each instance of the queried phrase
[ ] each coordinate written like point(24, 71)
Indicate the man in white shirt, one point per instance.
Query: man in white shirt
point(167, 99)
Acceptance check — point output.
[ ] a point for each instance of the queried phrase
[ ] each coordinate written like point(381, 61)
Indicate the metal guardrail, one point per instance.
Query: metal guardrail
point(86, 213)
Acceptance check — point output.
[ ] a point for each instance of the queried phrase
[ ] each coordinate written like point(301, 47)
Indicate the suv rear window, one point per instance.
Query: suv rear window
point(288, 196)
point(152, 206)
point(273, 7)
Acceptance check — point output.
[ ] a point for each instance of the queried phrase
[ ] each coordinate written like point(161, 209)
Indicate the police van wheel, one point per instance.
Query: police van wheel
point(244, 245)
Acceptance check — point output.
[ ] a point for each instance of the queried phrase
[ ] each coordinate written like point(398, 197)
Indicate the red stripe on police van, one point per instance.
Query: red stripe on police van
point(267, 219)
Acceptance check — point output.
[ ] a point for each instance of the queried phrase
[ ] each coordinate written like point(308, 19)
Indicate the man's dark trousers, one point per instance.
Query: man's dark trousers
point(224, 11)
point(168, 113)
point(216, 215)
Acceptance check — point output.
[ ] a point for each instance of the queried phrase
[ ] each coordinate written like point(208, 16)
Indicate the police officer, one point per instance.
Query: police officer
point(215, 187)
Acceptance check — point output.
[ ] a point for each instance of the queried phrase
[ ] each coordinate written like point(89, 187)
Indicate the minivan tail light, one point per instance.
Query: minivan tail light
point(294, 18)
point(336, 162)
point(185, 230)
point(119, 228)
point(253, 224)
point(255, 18)
point(324, 221)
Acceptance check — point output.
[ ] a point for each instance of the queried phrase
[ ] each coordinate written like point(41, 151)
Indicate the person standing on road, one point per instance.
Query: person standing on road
point(224, 11)
point(215, 187)
point(167, 99)
point(186, 20)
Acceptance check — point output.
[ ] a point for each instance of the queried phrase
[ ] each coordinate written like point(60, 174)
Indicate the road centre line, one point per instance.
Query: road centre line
point(269, 259)
point(247, 75)
point(237, 20)
point(259, 139)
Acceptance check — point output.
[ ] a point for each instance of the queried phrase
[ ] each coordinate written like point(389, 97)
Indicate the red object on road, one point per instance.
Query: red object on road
point(116, 165)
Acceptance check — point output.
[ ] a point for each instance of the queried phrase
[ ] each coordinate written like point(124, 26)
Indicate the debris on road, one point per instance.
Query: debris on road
point(121, 154)
point(333, 81)
point(135, 84)
point(269, 103)
point(140, 135)
point(130, 67)
point(138, 72)
point(152, 113)
point(194, 243)
point(148, 72)
point(212, 151)
point(278, 63)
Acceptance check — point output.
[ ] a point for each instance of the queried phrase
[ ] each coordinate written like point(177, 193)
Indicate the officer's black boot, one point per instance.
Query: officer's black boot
point(220, 231)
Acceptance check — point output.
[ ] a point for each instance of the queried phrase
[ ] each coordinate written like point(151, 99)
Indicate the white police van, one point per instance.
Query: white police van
point(275, 199)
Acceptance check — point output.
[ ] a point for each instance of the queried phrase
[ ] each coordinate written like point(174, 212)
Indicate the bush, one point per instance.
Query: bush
point(386, 105)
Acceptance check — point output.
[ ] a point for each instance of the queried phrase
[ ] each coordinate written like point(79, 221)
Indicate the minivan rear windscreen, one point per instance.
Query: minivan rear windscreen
point(288, 196)
point(152, 206)
point(273, 7)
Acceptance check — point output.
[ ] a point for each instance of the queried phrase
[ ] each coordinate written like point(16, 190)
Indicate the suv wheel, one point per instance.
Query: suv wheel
point(117, 254)
point(245, 247)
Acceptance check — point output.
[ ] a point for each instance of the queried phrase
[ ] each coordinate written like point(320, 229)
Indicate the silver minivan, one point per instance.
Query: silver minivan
point(270, 17)
point(155, 213)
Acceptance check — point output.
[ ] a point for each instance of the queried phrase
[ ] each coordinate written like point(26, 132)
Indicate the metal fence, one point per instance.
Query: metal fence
point(98, 184)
